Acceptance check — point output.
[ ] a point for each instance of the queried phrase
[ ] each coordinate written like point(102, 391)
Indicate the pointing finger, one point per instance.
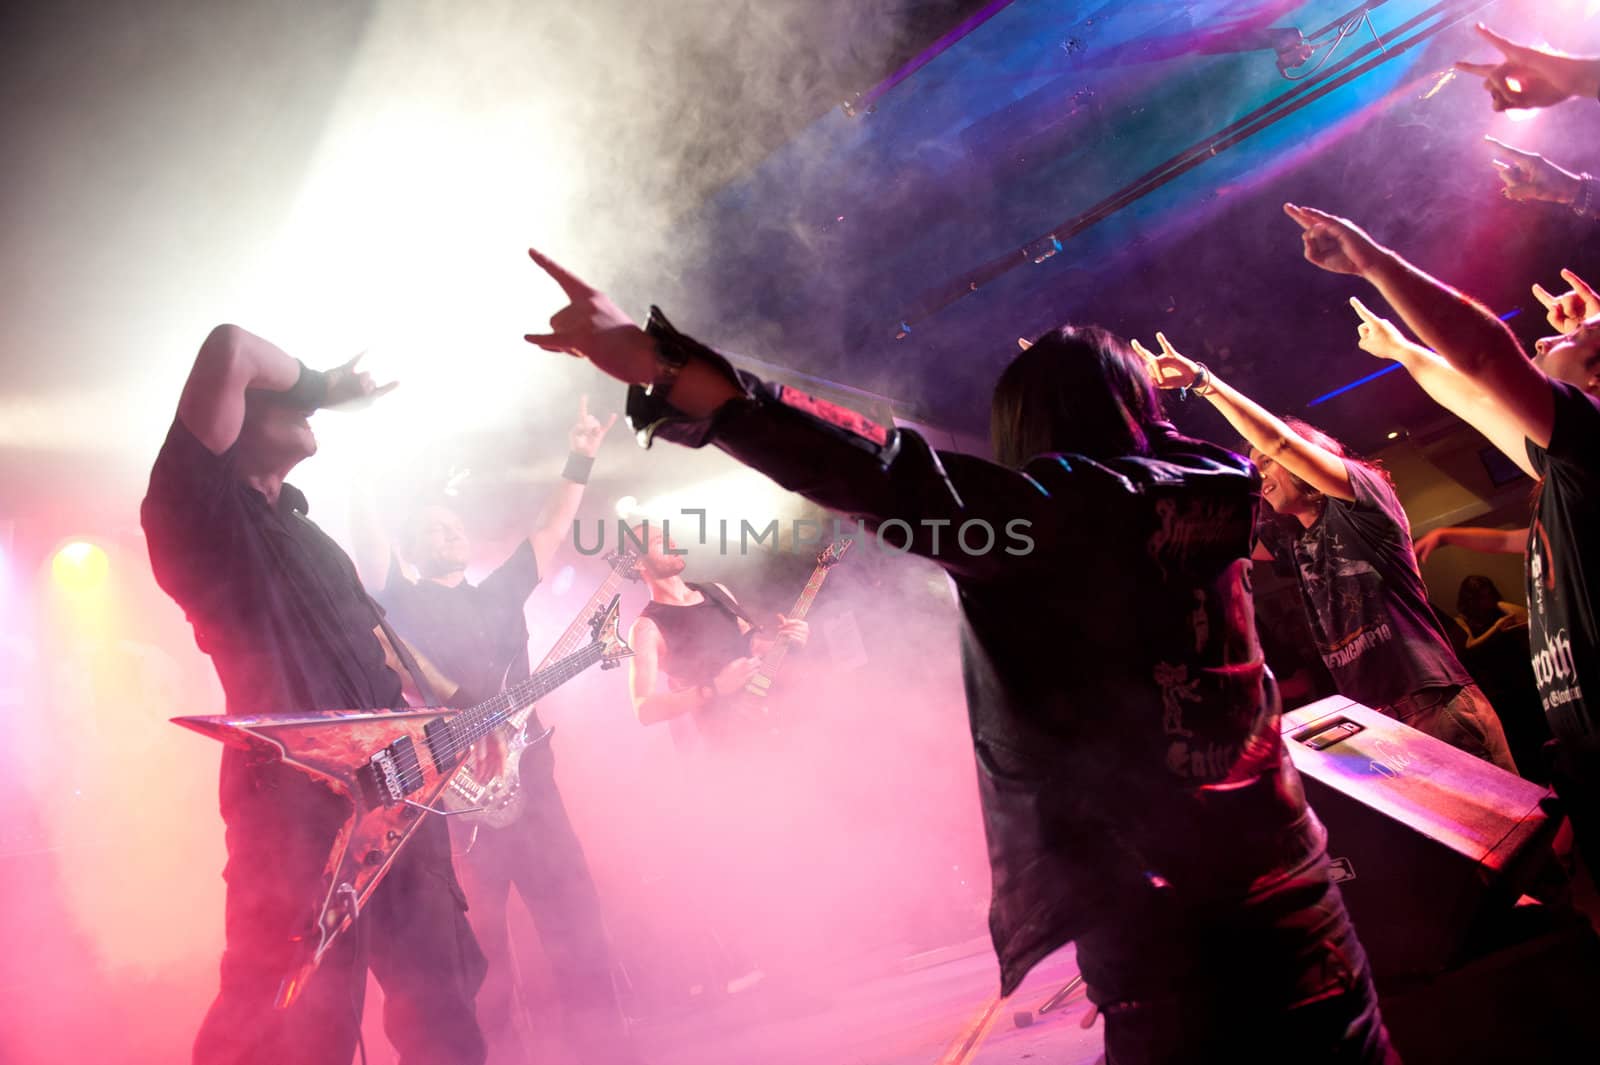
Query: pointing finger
point(550, 341)
point(569, 282)
point(1511, 48)
point(1542, 294)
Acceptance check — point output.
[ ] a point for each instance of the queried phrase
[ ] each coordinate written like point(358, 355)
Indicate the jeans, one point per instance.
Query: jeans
point(1277, 977)
point(413, 933)
point(1461, 717)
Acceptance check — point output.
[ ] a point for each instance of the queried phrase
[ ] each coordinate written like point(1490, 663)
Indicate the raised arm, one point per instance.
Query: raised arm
point(1266, 432)
point(1451, 390)
point(1529, 177)
point(232, 361)
point(918, 498)
point(1528, 77)
point(1465, 334)
point(556, 516)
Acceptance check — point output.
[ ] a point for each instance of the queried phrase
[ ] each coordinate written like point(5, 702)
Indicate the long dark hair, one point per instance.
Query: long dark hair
point(1328, 443)
point(1077, 389)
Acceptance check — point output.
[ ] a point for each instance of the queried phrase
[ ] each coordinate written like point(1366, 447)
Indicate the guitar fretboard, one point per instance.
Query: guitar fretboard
point(774, 658)
point(467, 728)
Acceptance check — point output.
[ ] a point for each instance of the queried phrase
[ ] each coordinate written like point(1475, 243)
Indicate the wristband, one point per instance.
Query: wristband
point(578, 468)
point(1202, 383)
point(309, 392)
point(1583, 206)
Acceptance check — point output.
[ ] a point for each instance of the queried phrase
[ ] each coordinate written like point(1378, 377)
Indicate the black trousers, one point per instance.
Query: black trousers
point(541, 857)
point(413, 934)
point(1277, 977)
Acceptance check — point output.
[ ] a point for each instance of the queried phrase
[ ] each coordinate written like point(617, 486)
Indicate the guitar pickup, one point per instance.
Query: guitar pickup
point(396, 772)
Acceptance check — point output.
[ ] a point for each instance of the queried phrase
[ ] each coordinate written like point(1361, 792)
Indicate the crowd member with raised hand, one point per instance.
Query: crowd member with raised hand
point(1136, 790)
point(1529, 177)
point(1349, 544)
point(1528, 77)
point(1545, 415)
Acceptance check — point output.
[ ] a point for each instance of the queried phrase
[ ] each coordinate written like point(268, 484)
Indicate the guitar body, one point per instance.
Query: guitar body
point(392, 767)
point(337, 747)
point(490, 795)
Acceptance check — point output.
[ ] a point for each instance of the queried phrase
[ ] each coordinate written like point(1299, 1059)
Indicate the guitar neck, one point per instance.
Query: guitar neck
point(578, 631)
point(477, 722)
point(772, 661)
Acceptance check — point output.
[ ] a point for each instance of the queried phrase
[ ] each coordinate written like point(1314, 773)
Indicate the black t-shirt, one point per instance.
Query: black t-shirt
point(1562, 541)
point(1364, 596)
point(476, 634)
point(273, 600)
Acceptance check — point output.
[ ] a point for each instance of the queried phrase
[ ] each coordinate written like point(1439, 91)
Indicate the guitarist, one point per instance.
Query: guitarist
point(279, 608)
point(477, 634)
point(698, 636)
point(706, 646)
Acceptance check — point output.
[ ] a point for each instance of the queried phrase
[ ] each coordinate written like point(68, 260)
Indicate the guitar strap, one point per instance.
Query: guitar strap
point(407, 659)
point(725, 601)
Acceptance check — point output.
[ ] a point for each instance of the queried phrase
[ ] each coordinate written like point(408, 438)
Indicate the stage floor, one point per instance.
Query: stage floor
point(938, 1009)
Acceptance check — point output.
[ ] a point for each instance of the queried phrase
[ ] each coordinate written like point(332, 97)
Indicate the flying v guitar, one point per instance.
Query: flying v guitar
point(392, 765)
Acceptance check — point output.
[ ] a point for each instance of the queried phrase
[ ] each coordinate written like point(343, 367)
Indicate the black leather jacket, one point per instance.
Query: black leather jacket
point(1124, 723)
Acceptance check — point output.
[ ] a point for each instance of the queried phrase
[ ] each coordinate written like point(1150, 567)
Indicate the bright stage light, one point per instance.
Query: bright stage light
point(627, 507)
point(80, 566)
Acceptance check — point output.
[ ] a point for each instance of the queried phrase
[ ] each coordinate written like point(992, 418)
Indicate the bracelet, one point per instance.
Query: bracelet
point(1202, 383)
point(309, 392)
point(1583, 206)
point(578, 468)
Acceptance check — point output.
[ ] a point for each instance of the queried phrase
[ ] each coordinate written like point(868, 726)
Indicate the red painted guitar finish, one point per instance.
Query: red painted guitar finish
point(391, 766)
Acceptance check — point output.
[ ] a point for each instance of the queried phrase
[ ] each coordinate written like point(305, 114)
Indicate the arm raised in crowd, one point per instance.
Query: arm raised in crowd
point(1528, 77)
point(1517, 401)
point(830, 455)
point(1529, 177)
point(555, 518)
point(1323, 470)
point(1451, 390)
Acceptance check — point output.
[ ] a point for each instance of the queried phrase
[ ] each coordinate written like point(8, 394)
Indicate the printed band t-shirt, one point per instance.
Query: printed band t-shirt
point(1365, 599)
point(1563, 636)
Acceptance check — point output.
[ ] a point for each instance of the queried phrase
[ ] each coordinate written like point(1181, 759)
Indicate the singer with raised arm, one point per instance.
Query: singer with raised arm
point(279, 608)
point(1137, 795)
